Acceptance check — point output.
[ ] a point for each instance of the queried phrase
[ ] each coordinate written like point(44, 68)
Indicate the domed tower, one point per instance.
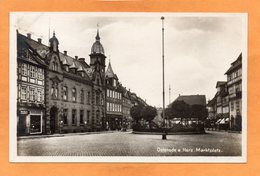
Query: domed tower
point(98, 58)
point(97, 65)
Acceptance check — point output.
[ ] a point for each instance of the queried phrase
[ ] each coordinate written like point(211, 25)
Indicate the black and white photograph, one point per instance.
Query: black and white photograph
point(128, 87)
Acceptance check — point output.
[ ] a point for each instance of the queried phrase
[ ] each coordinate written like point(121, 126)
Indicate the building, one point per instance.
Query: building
point(226, 106)
point(114, 100)
point(58, 93)
point(192, 99)
point(126, 106)
point(234, 85)
point(31, 71)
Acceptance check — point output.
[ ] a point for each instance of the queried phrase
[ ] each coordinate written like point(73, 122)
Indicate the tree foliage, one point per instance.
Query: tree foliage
point(148, 113)
point(136, 112)
point(180, 109)
point(199, 111)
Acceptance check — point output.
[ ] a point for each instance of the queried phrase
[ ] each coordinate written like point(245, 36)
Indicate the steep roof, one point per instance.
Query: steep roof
point(44, 51)
point(192, 99)
point(110, 73)
point(236, 64)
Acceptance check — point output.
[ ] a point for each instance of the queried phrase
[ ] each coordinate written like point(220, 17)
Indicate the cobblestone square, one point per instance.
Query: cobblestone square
point(128, 144)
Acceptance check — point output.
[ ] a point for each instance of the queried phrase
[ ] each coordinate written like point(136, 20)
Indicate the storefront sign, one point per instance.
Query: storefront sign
point(24, 112)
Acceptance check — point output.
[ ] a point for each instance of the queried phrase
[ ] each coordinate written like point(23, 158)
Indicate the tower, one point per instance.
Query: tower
point(97, 65)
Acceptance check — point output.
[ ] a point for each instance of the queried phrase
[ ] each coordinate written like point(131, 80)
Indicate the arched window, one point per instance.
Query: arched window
point(74, 94)
point(54, 91)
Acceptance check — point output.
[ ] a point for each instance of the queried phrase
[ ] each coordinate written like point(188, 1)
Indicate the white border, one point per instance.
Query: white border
point(124, 159)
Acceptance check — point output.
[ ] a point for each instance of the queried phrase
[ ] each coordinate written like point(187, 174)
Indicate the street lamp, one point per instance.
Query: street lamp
point(163, 113)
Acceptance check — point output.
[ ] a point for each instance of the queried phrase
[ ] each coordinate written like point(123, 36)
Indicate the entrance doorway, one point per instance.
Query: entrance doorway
point(53, 119)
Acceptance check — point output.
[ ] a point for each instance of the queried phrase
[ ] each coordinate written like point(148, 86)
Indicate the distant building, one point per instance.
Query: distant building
point(234, 85)
point(192, 99)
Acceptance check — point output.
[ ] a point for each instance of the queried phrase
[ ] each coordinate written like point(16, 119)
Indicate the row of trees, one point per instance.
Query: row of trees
point(184, 111)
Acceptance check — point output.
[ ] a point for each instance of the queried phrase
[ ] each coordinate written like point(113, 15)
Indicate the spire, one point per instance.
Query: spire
point(53, 32)
point(97, 37)
point(110, 72)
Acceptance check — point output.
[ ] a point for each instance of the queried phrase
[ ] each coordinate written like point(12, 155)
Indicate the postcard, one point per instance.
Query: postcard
point(128, 87)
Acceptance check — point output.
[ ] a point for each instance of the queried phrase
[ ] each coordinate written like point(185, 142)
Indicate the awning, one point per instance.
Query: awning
point(217, 122)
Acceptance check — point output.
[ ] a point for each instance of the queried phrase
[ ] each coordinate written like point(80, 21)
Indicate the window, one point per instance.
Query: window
point(82, 96)
point(32, 71)
point(74, 94)
point(40, 95)
point(40, 74)
point(65, 93)
point(55, 66)
point(107, 106)
point(232, 105)
point(74, 117)
point(81, 116)
point(107, 92)
point(65, 116)
point(88, 97)
point(98, 82)
point(97, 98)
point(88, 116)
point(97, 116)
point(24, 69)
point(23, 93)
point(35, 123)
point(32, 94)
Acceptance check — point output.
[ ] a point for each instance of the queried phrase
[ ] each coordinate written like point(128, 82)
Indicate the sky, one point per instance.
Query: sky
point(199, 48)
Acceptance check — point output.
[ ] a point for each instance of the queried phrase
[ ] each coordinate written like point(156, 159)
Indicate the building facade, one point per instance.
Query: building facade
point(226, 106)
point(31, 71)
point(234, 84)
point(58, 93)
point(114, 100)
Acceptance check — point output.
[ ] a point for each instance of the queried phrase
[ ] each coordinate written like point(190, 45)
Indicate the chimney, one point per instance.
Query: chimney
point(65, 53)
point(82, 59)
point(39, 40)
point(76, 57)
point(29, 35)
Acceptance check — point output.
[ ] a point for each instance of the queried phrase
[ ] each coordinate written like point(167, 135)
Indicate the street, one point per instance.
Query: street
point(128, 144)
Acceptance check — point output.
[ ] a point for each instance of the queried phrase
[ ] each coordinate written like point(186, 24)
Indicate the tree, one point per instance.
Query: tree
point(199, 112)
point(149, 113)
point(136, 112)
point(180, 109)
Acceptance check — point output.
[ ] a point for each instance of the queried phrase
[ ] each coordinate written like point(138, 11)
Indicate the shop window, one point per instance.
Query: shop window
point(35, 123)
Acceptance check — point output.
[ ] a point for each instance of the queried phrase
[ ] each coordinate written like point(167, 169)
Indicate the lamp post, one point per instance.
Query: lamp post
point(163, 113)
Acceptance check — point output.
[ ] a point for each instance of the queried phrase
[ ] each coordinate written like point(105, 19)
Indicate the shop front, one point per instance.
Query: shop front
point(30, 121)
